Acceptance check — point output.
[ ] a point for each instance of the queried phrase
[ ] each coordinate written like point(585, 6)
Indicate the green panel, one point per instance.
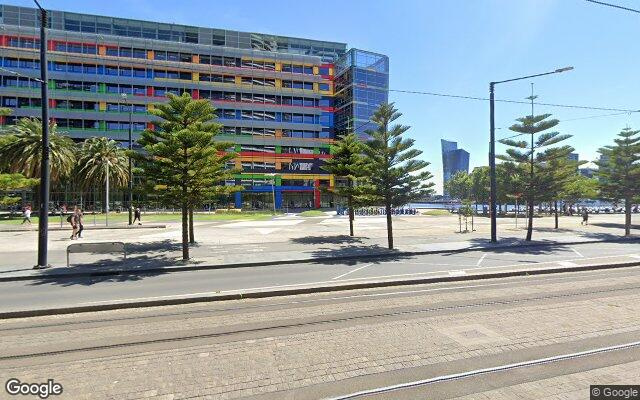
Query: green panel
point(316, 150)
point(278, 180)
point(238, 148)
point(102, 88)
point(51, 84)
point(278, 149)
point(102, 125)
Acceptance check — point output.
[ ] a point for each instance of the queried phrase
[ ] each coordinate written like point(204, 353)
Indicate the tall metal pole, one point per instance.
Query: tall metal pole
point(273, 193)
point(43, 222)
point(130, 166)
point(106, 189)
point(492, 164)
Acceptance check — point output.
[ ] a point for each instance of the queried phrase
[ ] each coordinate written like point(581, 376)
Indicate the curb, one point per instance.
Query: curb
point(306, 290)
point(381, 255)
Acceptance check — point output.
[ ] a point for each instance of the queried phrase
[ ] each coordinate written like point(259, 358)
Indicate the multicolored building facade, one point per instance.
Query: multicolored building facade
point(275, 95)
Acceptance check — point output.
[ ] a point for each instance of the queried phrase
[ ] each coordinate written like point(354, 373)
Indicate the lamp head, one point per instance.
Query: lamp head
point(563, 69)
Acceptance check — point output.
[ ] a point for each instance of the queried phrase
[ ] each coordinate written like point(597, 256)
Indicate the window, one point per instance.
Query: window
point(139, 73)
point(160, 55)
point(74, 68)
point(112, 51)
point(90, 69)
point(111, 71)
point(323, 86)
point(126, 52)
point(124, 71)
point(139, 53)
point(89, 49)
point(205, 59)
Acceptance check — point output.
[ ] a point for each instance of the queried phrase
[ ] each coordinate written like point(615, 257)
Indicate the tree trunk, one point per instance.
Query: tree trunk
point(185, 226)
point(389, 225)
point(530, 227)
point(627, 216)
point(192, 239)
point(351, 213)
point(556, 211)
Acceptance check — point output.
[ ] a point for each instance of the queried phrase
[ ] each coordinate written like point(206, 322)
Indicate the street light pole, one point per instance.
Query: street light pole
point(273, 190)
point(124, 97)
point(492, 146)
point(492, 164)
point(43, 222)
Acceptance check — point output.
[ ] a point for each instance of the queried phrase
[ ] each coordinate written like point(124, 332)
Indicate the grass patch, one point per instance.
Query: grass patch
point(434, 213)
point(313, 213)
point(100, 219)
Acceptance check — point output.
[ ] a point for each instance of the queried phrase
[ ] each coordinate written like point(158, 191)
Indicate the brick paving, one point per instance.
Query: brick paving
point(237, 368)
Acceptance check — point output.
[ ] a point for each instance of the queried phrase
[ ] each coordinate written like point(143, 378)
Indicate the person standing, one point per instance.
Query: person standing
point(137, 215)
point(26, 214)
point(585, 217)
point(73, 220)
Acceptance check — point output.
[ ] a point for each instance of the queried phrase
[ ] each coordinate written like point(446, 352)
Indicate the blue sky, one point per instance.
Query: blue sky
point(453, 46)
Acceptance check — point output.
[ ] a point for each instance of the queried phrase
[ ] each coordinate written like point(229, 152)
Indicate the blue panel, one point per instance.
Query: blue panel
point(238, 199)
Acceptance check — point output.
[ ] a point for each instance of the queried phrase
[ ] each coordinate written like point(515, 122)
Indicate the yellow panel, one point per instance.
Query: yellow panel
point(238, 80)
point(195, 76)
point(330, 70)
point(278, 66)
point(278, 83)
point(238, 164)
point(332, 181)
point(150, 55)
point(316, 70)
point(278, 132)
point(315, 86)
point(195, 59)
point(102, 106)
point(149, 106)
point(278, 165)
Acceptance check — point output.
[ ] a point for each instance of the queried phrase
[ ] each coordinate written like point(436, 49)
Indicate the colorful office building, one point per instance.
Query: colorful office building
point(281, 100)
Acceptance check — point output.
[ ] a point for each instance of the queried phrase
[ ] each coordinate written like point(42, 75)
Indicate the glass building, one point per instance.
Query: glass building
point(453, 160)
point(280, 99)
point(361, 85)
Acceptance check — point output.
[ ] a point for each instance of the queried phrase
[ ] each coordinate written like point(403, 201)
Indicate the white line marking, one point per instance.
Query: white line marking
point(466, 374)
point(577, 252)
point(352, 271)
point(460, 272)
point(634, 256)
point(481, 259)
point(567, 264)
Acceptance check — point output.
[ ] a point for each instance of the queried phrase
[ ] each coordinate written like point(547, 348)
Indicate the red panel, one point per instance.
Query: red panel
point(195, 94)
point(52, 103)
point(150, 91)
point(316, 193)
point(149, 125)
point(51, 45)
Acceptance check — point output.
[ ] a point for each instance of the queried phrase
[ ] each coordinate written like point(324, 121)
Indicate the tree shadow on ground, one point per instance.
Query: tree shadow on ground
point(335, 239)
point(614, 225)
point(352, 255)
point(143, 261)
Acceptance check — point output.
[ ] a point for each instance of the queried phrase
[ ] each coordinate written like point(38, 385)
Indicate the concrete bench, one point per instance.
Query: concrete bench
point(103, 248)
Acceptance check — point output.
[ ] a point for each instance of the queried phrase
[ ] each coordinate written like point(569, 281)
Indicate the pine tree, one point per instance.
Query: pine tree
point(523, 153)
point(395, 176)
point(619, 171)
point(181, 159)
point(347, 164)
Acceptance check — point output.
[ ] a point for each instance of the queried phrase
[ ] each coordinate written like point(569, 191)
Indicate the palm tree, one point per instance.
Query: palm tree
point(102, 161)
point(23, 154)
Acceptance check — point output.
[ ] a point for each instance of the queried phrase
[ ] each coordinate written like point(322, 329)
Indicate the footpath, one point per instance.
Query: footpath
point(165, 256)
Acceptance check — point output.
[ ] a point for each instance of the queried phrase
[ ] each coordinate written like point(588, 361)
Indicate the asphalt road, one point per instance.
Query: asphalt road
point(332, 344)
point(69, 292)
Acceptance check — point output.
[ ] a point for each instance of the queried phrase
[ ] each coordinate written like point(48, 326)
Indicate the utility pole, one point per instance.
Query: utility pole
point(43, 221)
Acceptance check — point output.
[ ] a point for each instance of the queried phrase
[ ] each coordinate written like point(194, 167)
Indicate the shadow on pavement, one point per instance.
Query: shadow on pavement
point(365, 254)
point(142, 258)
point(336, 239)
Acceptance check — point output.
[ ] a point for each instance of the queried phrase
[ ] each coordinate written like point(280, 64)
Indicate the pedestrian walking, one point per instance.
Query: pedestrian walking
point(137, 216)
point(71, 219)
point(79, 221)
point(26, 214)
point(585, 217)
